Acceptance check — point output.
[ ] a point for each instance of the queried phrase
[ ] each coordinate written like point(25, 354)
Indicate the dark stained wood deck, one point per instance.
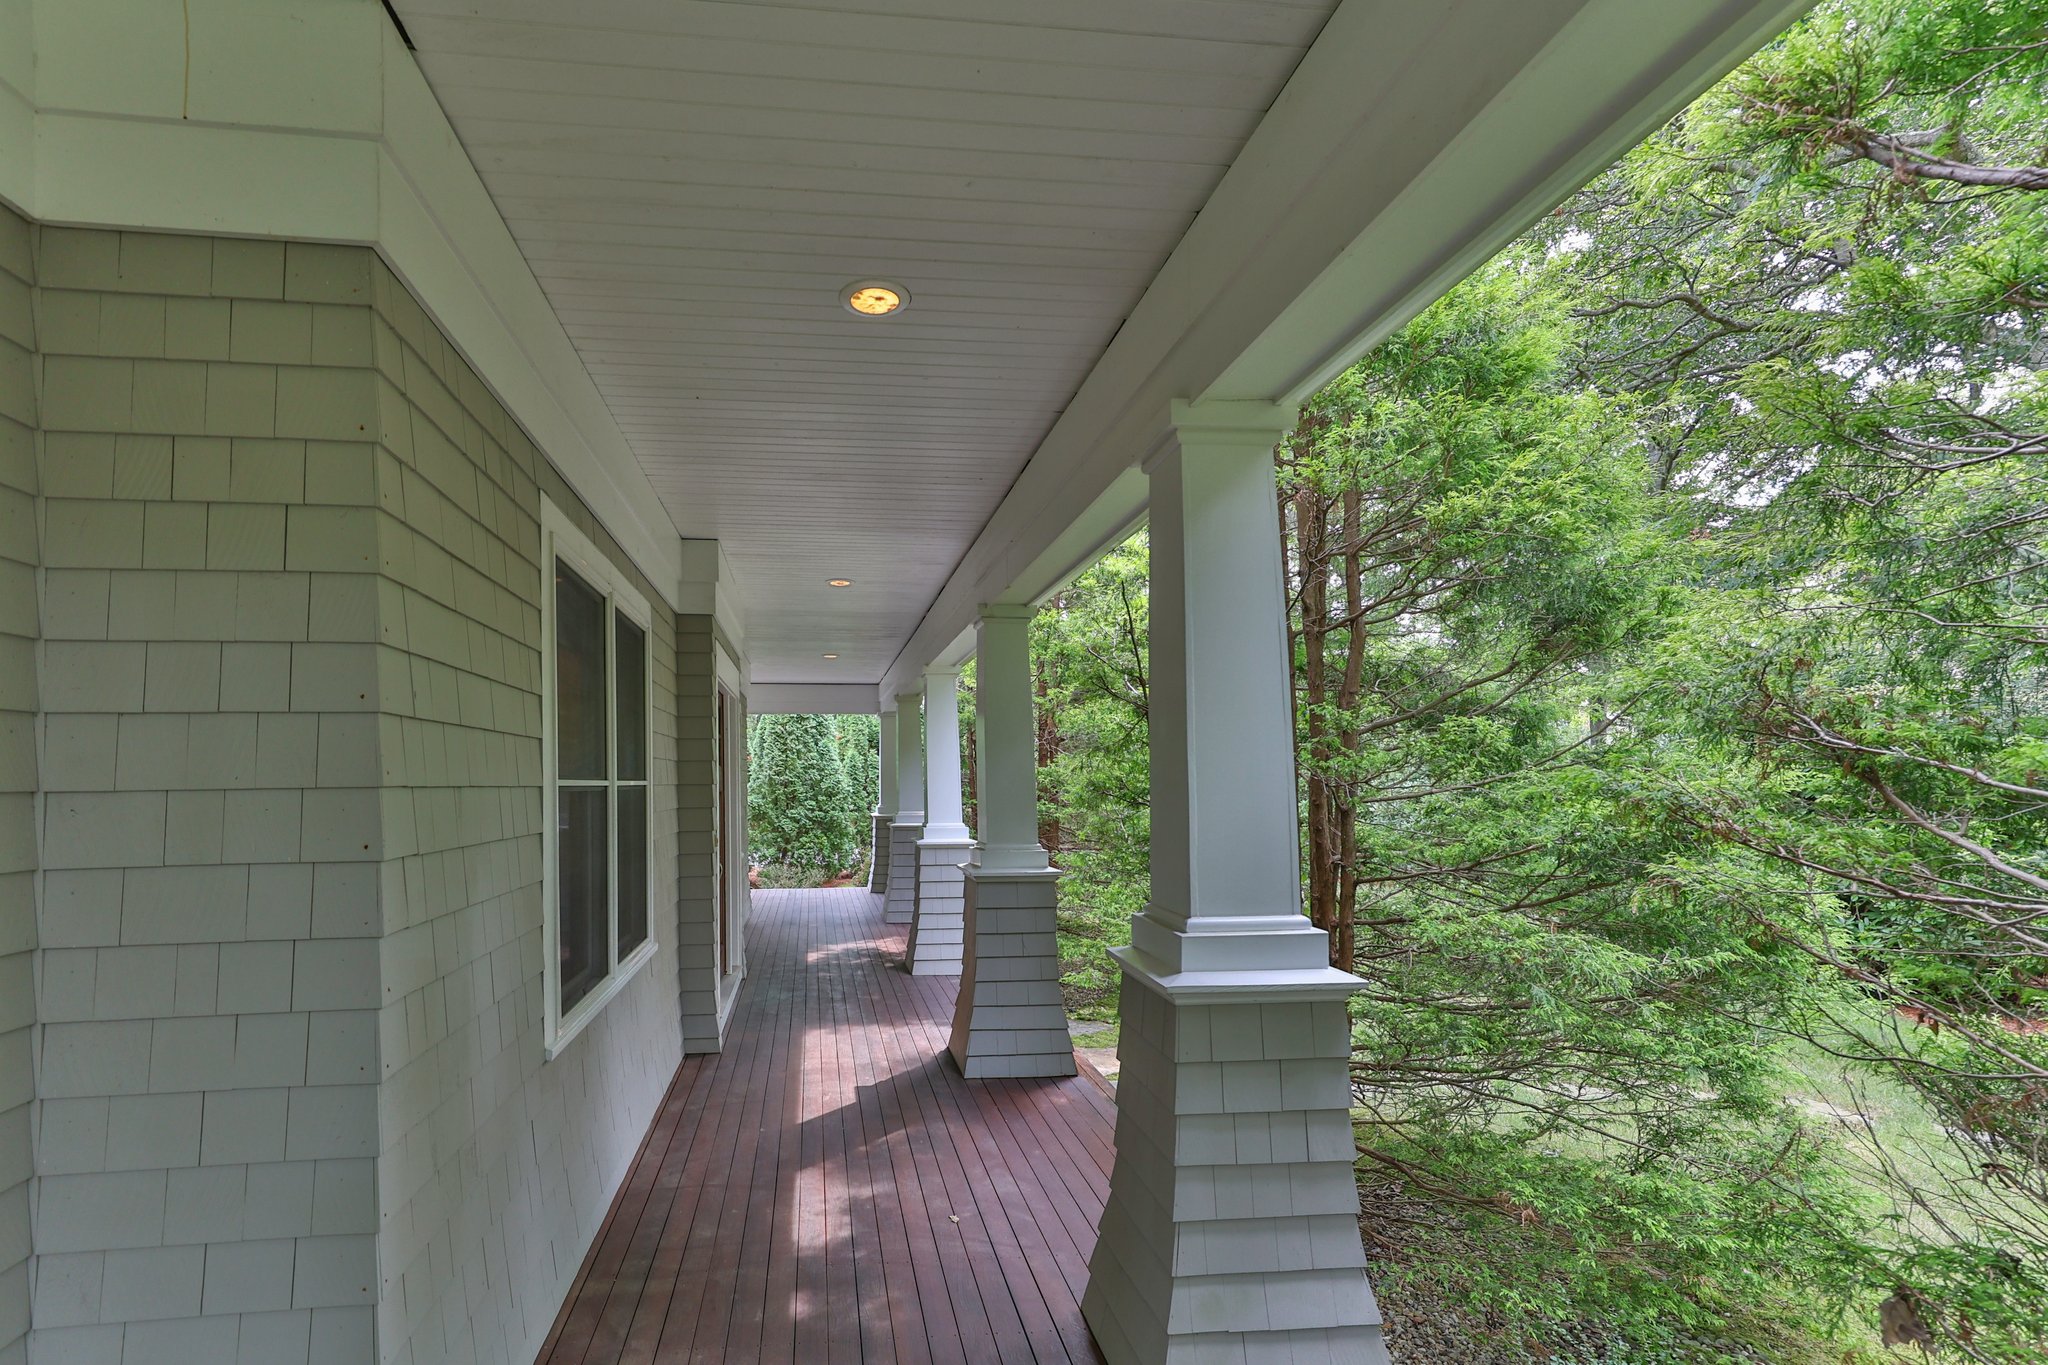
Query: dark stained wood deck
point(828, 1189)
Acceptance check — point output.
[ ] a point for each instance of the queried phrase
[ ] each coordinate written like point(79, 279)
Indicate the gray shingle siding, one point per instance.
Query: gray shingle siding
point(496, 1168)
point(211, 831)
point(290, 1100)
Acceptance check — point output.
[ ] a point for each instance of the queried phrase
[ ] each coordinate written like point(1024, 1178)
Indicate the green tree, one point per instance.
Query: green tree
point(797, 804)
point(1089, 652)
point(1826, 287)
point(1669, 620)
point(1545, 1039)
point(858, 741)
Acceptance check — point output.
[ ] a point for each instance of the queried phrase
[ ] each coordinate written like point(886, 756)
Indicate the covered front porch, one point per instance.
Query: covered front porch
point(430, 429)
point(829, 1188)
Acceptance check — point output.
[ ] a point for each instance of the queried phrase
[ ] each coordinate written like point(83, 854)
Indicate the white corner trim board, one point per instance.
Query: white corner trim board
point(306, 119)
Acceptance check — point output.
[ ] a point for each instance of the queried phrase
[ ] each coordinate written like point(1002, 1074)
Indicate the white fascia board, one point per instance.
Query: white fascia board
point(1628, 66)
point(92, 171)
point(1411, 142)
point(1105, 523)
point(308, 119)
point(808, 699)
point(956, 653)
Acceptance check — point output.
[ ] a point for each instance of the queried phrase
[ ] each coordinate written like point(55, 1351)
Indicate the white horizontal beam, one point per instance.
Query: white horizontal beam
point(811, 699)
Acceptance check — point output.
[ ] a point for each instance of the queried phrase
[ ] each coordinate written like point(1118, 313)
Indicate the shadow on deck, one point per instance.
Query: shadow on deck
point(828, 1189)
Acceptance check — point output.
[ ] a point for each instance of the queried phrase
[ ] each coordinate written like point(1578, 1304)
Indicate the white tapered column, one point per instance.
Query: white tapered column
point(1008, 1019)
point(1231, 1230)
point(907, 826)
point(885, 805)
point(943, 811)
point(937, 929)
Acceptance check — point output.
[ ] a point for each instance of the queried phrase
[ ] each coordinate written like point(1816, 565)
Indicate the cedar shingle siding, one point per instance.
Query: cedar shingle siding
point(292, 1103)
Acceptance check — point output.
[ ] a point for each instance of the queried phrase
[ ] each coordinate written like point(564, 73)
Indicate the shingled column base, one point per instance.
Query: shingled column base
point(900, 904)
point(937, 929)
point(1231, 1231)
point(1008, 1019)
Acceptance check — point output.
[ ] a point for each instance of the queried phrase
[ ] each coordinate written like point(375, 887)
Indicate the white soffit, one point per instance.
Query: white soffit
point(693, 180)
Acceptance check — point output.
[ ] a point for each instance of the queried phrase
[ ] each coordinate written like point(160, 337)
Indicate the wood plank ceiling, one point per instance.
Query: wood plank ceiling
point(694, 180)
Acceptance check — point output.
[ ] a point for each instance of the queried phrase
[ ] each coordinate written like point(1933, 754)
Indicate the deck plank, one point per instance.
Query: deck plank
point(829, 1189)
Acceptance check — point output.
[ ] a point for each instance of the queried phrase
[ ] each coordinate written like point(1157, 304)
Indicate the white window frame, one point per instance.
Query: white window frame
point(731, 844)
point(560, 539)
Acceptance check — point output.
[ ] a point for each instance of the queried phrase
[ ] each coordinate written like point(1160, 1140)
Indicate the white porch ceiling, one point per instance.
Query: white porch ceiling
point(693, 180)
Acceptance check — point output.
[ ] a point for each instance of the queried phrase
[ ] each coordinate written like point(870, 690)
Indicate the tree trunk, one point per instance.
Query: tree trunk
point(1048, 722)
point(1311, 566)
point(1344, 810)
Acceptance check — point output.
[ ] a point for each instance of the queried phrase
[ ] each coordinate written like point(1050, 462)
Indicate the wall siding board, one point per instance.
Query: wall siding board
point(496, 1168)
point(293, 1102)
point(208, 1061)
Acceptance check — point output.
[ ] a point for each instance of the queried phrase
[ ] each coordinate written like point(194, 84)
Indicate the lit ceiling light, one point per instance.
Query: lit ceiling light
point(875, 298)
point(839, 582)
point(831, 656)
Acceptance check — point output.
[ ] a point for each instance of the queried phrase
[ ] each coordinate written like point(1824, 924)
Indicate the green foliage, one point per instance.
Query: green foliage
point(1825, 288)
point(797, 803)
point(1669, 616)
point(1089, 649)
point(858, 741)
point(1551, 1032)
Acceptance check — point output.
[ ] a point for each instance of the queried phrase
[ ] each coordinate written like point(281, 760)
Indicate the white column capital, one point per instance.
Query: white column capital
point(1244, 423)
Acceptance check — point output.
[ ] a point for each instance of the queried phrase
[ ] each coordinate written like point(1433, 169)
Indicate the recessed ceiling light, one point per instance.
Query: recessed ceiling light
point(839, 582)
point(875, 298)
point(831, 656)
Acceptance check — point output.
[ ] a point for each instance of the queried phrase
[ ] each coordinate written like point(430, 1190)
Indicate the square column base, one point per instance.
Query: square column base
point(899, 905)
point(1008, 1019)
point(878, 858)
point(1231, 1231)
point(937, 930)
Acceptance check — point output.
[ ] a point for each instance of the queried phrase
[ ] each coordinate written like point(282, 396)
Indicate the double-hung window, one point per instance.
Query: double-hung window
point(596, 711)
